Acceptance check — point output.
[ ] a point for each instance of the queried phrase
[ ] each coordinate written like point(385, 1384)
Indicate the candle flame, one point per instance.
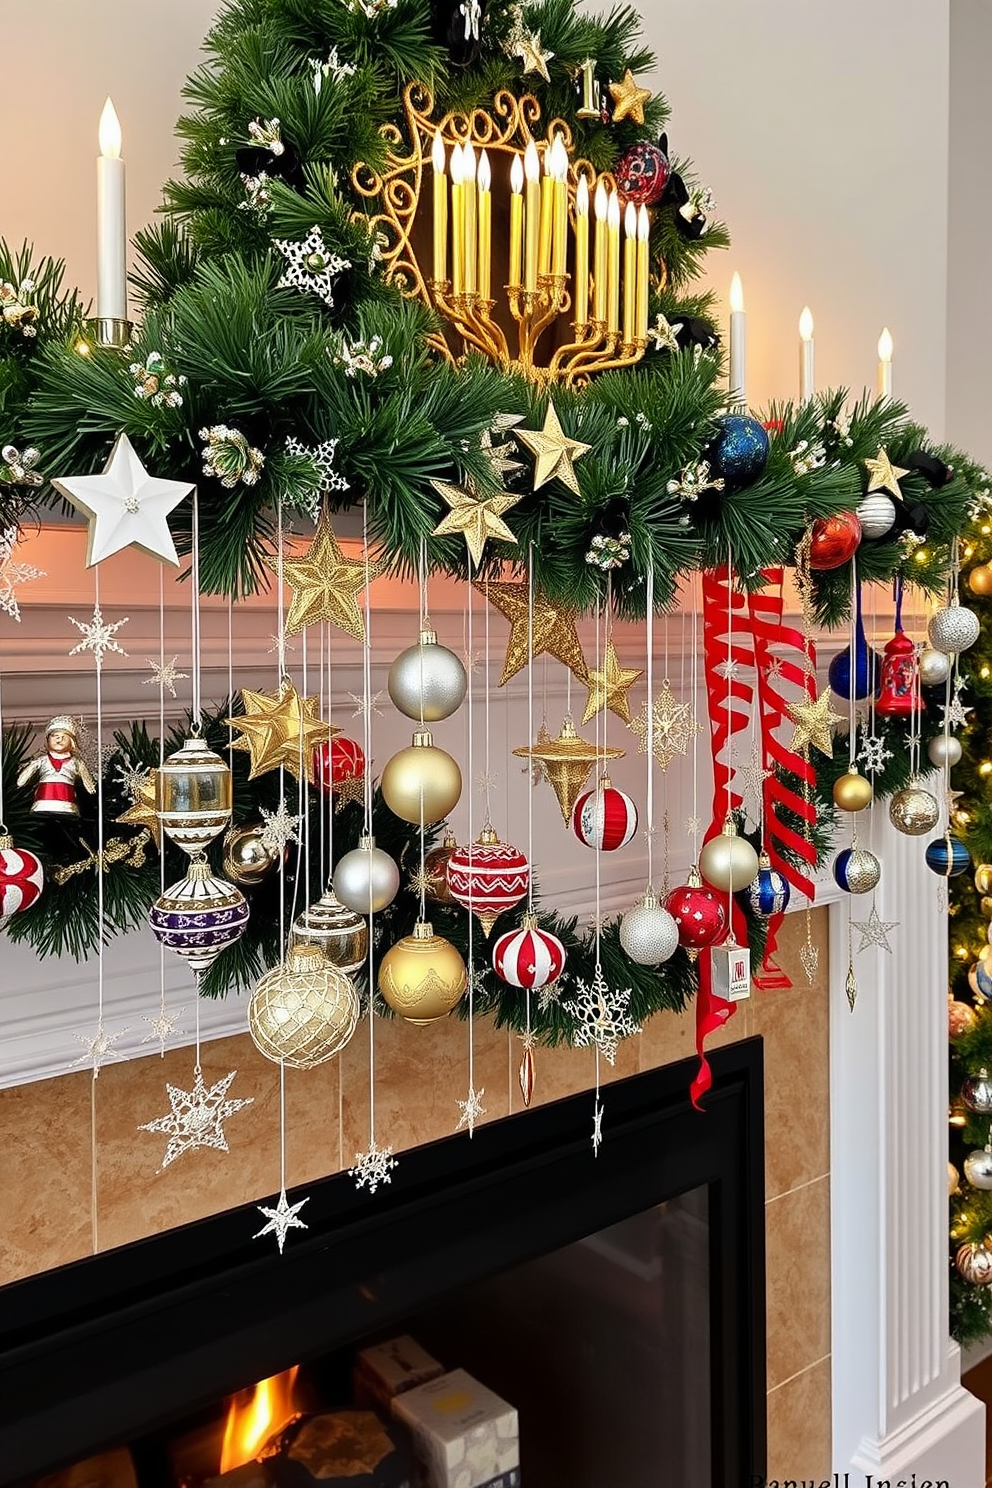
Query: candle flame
point(582, 198)
point(437, 153)
point(885, 345)
point(485, 173)
point(806, 324)
point(559, 159)
point(602, 202)
point(109, 132)
point(517, 175)
point(468, 162)
point(613, 211)
point(736, 293)
point(532, 162)
point(455, 167)
point(630, 221)
point(643, 223)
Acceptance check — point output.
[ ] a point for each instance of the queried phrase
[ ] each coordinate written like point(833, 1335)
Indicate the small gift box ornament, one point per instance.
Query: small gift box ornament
point(731, 968)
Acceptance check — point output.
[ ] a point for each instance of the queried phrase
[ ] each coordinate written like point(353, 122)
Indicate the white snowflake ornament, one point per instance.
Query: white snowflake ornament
point(311, 266)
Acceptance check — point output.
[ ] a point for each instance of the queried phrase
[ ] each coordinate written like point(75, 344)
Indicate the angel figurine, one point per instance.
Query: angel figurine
point(58, 770)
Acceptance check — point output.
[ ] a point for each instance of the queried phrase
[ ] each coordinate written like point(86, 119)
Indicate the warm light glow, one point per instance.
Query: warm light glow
point(985, 768)
point(437, 153)
point(601, 202)
point(532, 162)
point(254, 1416)
point(921, 555)
point(456, 169)
point(643, 224)
point(517, 175)
point(485, 174)
point(613, 211)
point(582, 198)
point(630, 221)
point(109, 133)
point(806, 324)
point(885, 345)
point(736, 293)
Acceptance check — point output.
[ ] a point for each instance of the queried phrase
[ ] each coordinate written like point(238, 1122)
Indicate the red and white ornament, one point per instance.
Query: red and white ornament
point(528, 957)
point(336, 761)
point(488, 877)
point(699, 913)
point(604, 818)
point(21, 878)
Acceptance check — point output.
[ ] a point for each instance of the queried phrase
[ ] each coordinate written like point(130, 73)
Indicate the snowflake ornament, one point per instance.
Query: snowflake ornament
point(285, 1216)
point(197, 1116)
point(133, 778)
point(279, 829)
point(472, 1109)
point(99, 1048)
point(673, 726)
point(328, 479)
point(312, 267)
point(597, 1126)
point(373, 1167)
point(98, 636)
point(366, 705)
point(873, 753)
point(164, 675)
point(12, 574)
point(164, 1025)
point(601, 1014)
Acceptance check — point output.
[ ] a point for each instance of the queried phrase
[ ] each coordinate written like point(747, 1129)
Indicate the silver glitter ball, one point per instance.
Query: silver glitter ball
point(427, 682)
point(941, 751)
point(877, 514)
point(978, 1168)
point(913, 810)
point(935, 667)
point(863, 871)
point(366, 879)
point(953, 630)
point(648, 933)
point(976, 1092)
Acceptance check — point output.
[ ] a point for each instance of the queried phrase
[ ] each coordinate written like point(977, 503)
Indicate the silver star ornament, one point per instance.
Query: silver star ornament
point(197, 1116)
point(125, 506)
point(285, 1216)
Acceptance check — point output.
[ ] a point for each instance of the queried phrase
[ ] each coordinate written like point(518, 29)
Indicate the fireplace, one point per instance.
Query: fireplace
point(123, 1347)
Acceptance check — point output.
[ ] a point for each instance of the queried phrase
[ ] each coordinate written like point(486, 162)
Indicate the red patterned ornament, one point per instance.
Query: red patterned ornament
point(604, 818)
point(698, 912)
point(336, 761)
point(834, 540)
point(488, 878)
point(21, 878)
point(960, 1018)
point(642, 173)
point(528, 957)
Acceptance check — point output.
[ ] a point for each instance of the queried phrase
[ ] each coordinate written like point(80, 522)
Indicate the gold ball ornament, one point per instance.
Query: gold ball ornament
point(339, 932)
point(193, 795)
point(728, 862)
point(953, 1180)
point(422, 977)
point(980, 579)
point(422, 783)
point(304, 1011)
point(852, 792)
point(913, 810)
point(247, 860)
point(983, 878)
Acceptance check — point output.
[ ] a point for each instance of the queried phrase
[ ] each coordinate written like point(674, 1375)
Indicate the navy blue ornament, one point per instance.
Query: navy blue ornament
point(739, 453)
point(865, 668)
point(856, 870)
point(768, 891)
point(947, 856)
point(983, 979)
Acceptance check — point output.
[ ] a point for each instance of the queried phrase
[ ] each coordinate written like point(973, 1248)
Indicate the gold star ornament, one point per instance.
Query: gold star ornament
point(474, 514)
point(527, 46)
point(813, 722)
point(325, 585)
point(555, 454)
point(628, 99)
point(553, 629)
point(608, 687)
point(280, 729)
point(144, 811)
point(884, 476)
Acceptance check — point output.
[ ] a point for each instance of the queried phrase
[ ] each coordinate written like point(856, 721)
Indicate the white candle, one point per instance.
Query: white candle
point(807, 381)
point(111, 230)
point(885, 364)
point(737, 340)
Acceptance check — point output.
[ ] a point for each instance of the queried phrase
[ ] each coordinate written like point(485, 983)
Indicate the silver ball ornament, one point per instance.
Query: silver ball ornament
point(978, 1168)
point(935, 667)
point(728, 862)
point(913, 810)
point(366, 879)
point(976, 1092)
point(427, 682)
point(877, 514)
point(648, 933)
point(943, 751)
point(953, 630)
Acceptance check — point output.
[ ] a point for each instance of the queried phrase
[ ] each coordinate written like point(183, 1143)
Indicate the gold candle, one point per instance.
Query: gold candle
point(559, 227)
point(600, 207)
point(532, 215)
point(629, 272)
point(471, 219)
point(582, 252)
point(547, 215)
point(457, 223)
point(516, 221)
point(643, 271)
point(440, 210)
point(485, 180)
point(613, 264)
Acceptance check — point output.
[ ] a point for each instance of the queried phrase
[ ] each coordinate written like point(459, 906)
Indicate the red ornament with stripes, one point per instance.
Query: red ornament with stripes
point(528, 957)
point(21, 878)
point(604, 818)
point(488, 878)
point(337, 760)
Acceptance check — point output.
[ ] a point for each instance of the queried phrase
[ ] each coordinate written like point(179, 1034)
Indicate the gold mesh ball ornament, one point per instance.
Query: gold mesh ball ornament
point(340, 933)
point(304, 1011)
point(193, 795)
point(422, 977)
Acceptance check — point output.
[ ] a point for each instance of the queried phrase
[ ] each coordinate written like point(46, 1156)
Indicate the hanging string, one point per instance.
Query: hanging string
point(852, 684)
point(471, 842)
point(161, 761)
point(600, 817)
point(367, 733)
point(649, 791)
point(1, 752)
point(230, 680)
point(487, 777)
point(280, 610)
point(282, 1126)
point(530, 736)
point(195, 619)
point(99, 824)
point(694, 683)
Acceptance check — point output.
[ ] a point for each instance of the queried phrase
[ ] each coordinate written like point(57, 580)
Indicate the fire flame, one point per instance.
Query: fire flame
point(256, 1414)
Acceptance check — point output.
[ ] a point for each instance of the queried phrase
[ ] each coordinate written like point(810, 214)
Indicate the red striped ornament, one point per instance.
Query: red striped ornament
point(21, 878)
point(604, 818)
point(488, 878)
point(337, 760)
point(528, 957)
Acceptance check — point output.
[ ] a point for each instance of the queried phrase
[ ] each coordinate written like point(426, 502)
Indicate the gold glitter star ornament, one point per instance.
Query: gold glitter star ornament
point(553, 629)
point(475, 514)
point(280, 729)
point(813, 722)
point(884, 476)
point(555, 454)
point(628, 99)
point(325, 584)
point(608, 687)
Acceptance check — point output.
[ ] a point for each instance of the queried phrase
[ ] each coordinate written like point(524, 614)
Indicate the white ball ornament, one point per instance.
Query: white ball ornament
point(877, 515)
point(648, 933)
point(953, 630)
point(366, 879)
point(935, 667)
point(943, 751)
point(978, 1168)
point(728, 862)
point(427, 682)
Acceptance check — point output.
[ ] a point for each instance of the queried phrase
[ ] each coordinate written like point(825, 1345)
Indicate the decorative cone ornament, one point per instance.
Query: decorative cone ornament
point(648, 933)
point(529, 957)
point(22, 878)
point(604, 818)
point(565, 763)
point(422, 977)
point(427, 682)
point(340, 933)
point(304, 1011)
point(488, 877)
point(698, 912)
point(199, 916)
point(421, 784)
point(728, 861)
point(193, 795)
point(768, 892)
point(858, 663)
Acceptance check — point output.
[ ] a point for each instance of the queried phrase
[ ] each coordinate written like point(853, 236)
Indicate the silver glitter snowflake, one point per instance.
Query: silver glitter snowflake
point(729, 670)
point(597, 1126)
point(279, 829)
point(873, 753)
point(197, 1116)
point(322, 456)
point(601, 1015)
point(664, 335)
point(874, 931)
point(12, 574)
point(373, 1167)
point(693, 826)
point(751, 777)
point(285, 1216)
point(471, 1109)
point(673, 726)
point(366, 705)
point(164, 1025)
point(164, 675)
point(955, 713)
point(98, 636)
point(312, 266)
point(133, 778)
point(99, 1048)
point(549, 995)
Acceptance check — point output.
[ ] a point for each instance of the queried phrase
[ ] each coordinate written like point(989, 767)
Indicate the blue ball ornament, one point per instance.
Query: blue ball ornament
point(856, 870)
point(739, 453)
point(948, 856)
point(768, 891)
point(983, 979)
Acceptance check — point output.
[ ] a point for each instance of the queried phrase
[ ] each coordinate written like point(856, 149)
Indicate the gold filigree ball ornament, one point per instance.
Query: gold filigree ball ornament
point(304, 1011)
point(427, 682)
point(436, 869)
point(728, 861)
point(974, 1263)
point(852, 792)
point(648, 933)
point(976, 1092)
point(954, 629)
point(980, 579)
point(944, 751)
point(421, 784)
point(339, 932)
point(247, 860)
point(193, 795)
point(199, 916)
point(978, 1168)
point(366, 879)
point(913, 810)
point(983, 878)
point(422, 977)
point(935, 667)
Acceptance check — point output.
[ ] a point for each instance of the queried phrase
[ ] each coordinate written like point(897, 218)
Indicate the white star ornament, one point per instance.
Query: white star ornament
point(126, 506)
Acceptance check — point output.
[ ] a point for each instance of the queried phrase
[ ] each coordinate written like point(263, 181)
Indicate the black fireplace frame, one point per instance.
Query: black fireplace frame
point(106, 1349)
